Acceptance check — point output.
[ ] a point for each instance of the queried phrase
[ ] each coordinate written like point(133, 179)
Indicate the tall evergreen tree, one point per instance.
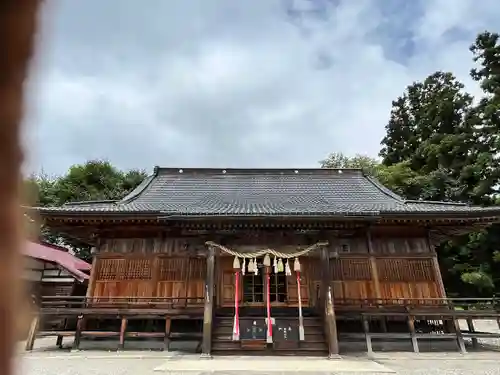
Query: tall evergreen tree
point(452, 147)
point(432, 128)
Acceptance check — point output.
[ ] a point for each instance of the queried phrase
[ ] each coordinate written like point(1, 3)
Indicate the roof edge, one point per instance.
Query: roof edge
point(81, 203)
point(135, 193)
point(444, 203)
point(375, 182)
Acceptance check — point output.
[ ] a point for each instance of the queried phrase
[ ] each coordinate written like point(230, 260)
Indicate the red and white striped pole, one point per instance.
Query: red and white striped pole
point(269, 335)
point(236, 323)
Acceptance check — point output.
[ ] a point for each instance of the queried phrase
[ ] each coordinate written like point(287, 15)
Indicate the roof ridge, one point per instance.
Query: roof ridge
point(135, 193)
point(384, 189)
point(222, 170)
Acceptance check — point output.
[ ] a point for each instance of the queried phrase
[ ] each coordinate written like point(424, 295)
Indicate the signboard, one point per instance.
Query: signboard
point(253, 329)
point(286, 334)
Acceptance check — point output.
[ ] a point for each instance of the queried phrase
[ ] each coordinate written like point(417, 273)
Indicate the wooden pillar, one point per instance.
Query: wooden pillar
point(93, 277)
point(78, 333)
point(59, 340)
point(438, 279)
point(30, 342)
point(208, 312)
point(413, 334)
point(437, 270)
point(373, 264)
point(375, 278)
point(329, 310)
point(166, 339)
point(89, 296)
point(366, 330)
point(123, 329)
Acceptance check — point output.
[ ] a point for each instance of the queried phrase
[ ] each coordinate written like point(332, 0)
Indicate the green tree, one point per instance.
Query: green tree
point(486, 53)
point(432, 127)
point(94, 180)
point(399, 177)
point(443, 146)
point(91, 181)
point(339, 160)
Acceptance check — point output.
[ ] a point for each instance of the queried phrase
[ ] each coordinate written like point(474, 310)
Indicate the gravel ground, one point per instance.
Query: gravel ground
point(471, 364)
point(45, 361)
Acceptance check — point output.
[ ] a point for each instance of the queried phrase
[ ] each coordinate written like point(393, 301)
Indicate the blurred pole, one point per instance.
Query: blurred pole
point(18, 21)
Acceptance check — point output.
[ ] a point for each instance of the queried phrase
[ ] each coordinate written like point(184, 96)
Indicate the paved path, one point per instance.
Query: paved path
point(273, 365)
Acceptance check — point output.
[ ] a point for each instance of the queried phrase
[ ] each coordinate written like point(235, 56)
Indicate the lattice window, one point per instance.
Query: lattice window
point(111, 269)
point(197, 268)
point(405, 270)
point(139, 269)
point(423, 269)
point(350, 269)
point(181, 269)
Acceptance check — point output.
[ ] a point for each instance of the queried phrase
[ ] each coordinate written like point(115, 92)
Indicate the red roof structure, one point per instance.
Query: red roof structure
point(59, 256)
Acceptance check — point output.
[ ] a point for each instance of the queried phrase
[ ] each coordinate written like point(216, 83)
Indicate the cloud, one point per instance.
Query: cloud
point(195, 83)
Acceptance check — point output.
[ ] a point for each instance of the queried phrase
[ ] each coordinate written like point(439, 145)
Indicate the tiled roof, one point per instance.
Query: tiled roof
point(65, 260)
point(265, 192)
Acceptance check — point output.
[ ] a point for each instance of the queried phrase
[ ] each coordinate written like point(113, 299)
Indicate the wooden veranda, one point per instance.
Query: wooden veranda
point(419, 319)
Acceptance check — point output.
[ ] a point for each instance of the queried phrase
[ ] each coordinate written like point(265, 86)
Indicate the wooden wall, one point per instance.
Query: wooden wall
point(149, 267)
point(389, 263)
point(379, 268)
point(129, 275)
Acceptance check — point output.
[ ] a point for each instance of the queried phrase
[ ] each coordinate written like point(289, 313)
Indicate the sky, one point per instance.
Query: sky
point(225, 83)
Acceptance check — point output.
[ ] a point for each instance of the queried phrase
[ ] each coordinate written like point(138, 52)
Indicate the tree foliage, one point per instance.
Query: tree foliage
point(443, 144)
point(94, 180)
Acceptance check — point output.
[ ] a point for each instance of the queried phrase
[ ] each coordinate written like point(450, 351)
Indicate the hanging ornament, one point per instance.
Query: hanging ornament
point(280, 265)
point(267, 261)
point(255, 267)
point(236, 263)
point(296, 265)
point(243, 267)
point(288, 271)
point(275, 265)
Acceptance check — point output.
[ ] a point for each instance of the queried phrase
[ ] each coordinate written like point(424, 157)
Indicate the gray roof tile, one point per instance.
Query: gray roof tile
point(265, 192)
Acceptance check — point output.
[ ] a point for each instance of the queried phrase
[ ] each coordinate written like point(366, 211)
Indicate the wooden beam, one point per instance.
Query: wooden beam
point(330, 323)
point(208, 311)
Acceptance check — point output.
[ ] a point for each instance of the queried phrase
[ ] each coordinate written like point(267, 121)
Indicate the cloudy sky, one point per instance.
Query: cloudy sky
point(226, 83)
